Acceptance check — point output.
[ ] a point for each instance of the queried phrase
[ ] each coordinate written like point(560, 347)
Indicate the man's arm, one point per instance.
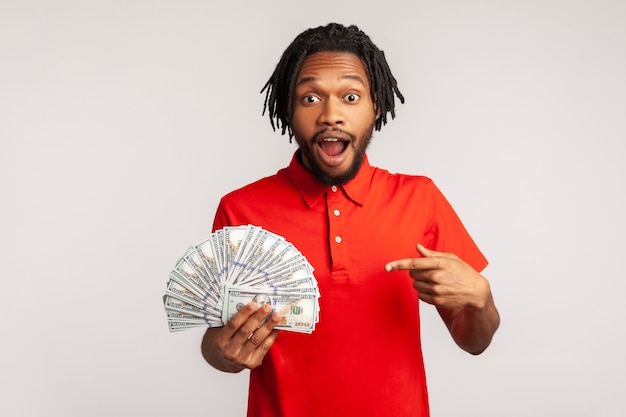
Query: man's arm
point(243, 342)
point(472, 328)
point(462, 296)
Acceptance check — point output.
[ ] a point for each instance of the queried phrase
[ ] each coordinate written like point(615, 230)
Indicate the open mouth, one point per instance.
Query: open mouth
point(333, 146)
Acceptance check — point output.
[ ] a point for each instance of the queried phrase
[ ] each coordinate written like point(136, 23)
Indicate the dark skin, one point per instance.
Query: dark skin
point(462, 296)
point(332, 94)
point(241, 343)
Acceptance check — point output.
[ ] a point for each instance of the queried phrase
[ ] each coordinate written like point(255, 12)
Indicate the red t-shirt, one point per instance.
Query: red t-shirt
point(364, 357)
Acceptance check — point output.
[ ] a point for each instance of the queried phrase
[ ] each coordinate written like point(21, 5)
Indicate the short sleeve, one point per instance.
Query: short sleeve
point(446, 232)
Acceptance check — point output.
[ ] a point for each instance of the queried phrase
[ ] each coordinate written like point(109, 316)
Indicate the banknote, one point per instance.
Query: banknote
point(178, 321)
point(235, 265)
point(298, 310)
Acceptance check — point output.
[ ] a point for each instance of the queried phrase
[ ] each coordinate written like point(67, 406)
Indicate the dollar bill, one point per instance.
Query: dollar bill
point(180, 292)
point(298, 310)
point(268, 245)
point(187, 276)
point(193, 259)
point(180, 321)
point(192, 313)
point(209, 261)
point(236, 240)
point(235, 265)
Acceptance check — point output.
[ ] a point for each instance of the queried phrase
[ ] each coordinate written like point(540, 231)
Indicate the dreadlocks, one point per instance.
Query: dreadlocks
point(334, 37)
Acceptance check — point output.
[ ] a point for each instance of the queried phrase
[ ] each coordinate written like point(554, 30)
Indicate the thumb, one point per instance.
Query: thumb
point(429, 253)
point(426, 252)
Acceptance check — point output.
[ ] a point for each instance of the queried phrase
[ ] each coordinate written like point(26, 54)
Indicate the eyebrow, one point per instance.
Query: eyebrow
point(343, 77)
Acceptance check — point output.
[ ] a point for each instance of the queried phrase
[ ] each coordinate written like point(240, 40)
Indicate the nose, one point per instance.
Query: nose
point(331, 114)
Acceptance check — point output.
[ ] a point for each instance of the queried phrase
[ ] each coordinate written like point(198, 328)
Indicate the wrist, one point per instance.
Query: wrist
point(483, 295)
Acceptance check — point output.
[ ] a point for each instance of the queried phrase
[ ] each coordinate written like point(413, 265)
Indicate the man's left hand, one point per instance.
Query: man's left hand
point(444, 280)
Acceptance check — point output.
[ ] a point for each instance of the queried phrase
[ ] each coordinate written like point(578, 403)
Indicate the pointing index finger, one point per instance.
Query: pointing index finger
point(408, 264)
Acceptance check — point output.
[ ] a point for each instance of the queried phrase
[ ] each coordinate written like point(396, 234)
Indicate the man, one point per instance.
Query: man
point(362, 228)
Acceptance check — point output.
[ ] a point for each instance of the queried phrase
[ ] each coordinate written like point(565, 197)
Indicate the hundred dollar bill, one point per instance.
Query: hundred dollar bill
point(177, 327)
point(294, 268)
point(299, 310)
point(175, 305)
point(216, 244)
point(236, 265)
point(177, 316)
point(250, 250)
point(268, 245)
point(286, 254)
point(209, 260)
point(297, 284)
point(236, 240)
point(180, 292)
point(194, 259)
point(275, 290)
point(187, 276)
point(180, 326)
point(250, 246)
point(179, 321)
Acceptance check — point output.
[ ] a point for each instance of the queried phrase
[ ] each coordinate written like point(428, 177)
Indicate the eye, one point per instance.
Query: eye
point(352, 98)
point(310, 99)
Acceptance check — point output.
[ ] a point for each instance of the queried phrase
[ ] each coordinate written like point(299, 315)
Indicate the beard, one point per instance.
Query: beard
point(359, 147)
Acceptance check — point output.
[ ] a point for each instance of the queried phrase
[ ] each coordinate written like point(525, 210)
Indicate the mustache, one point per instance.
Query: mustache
point(325, 132)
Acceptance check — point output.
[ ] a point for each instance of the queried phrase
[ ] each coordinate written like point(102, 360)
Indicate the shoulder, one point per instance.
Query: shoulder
point(399, 181)
point(405, 189)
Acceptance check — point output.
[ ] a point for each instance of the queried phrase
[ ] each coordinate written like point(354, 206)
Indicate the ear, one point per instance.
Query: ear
point(287, 115)
point(377, 111)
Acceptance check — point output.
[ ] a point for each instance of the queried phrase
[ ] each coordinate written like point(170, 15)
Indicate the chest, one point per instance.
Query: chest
point(340, 237)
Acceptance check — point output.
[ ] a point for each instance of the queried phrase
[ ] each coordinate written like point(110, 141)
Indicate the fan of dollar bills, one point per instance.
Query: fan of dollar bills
point(235, 265)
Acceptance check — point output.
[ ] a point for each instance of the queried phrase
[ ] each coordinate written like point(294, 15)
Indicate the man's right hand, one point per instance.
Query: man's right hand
point(243, 342)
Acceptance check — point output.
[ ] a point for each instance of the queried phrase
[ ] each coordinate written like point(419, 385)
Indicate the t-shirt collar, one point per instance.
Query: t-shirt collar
point(312, 191)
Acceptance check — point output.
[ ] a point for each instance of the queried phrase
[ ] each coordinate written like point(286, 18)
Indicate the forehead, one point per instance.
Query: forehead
point(337, 65)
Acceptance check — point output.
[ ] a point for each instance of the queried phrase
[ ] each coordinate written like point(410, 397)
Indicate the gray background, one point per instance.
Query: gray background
point(123, 122)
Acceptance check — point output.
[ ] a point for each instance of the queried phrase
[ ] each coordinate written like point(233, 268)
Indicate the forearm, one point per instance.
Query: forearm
point(212, 355)
point(472, 328)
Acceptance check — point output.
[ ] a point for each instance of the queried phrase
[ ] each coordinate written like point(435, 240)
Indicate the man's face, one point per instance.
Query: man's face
point(333, 115)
